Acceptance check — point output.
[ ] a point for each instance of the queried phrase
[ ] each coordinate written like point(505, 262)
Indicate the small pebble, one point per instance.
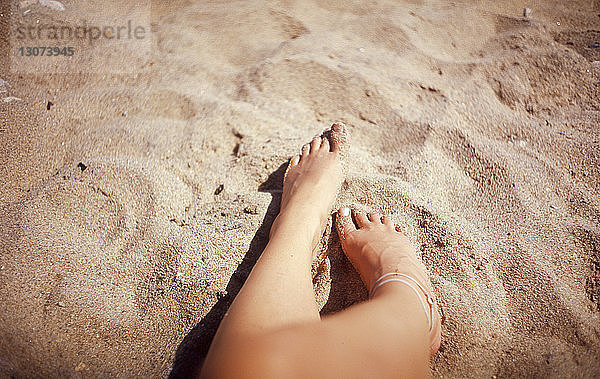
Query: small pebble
point(237, 133)
point(219, 189)
point(10, 98)
point(526, 12)
point(61, 304)
point(55, 5)
point(239, 150)
point(251, 209)
point(594, 45)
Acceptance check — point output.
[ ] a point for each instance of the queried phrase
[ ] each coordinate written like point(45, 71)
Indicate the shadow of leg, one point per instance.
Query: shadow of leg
point(192, 350)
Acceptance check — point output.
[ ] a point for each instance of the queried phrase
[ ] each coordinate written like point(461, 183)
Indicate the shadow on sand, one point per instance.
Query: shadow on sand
point(192, 350)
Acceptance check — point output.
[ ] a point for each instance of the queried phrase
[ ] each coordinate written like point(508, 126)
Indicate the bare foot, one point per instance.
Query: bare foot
point(311, 183)
point(377, 248)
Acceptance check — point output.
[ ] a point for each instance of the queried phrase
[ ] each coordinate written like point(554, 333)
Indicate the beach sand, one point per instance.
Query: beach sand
point(132, 211)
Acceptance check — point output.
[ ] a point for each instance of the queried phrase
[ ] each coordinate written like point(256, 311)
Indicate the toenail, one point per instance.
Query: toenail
point(338, 127)
point(345, 212)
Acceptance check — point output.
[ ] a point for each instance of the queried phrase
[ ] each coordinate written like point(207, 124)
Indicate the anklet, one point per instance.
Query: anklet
point(400, 277)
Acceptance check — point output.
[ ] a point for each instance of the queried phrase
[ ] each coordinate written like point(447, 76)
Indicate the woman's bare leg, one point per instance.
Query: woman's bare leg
point(279, 291)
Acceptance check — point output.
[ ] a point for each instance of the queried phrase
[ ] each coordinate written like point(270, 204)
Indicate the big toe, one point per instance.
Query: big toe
point(338, 137)
point(343, 223)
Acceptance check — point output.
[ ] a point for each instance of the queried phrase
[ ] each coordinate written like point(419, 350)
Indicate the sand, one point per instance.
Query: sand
point(133, 209)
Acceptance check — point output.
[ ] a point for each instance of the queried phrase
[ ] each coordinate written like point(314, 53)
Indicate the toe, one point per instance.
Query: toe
point(305, 150)
point(375, 217)
point(387, 220)
point(338, 136)
point(315, 144)
point(361, 219)
point(343, 223)
point(325, 144)
point(295, 160)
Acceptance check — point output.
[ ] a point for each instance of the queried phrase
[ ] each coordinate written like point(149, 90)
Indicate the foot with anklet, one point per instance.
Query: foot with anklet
point(383, 256)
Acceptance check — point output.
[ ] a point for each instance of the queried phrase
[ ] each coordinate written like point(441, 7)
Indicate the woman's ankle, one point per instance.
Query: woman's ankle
point(403, 304)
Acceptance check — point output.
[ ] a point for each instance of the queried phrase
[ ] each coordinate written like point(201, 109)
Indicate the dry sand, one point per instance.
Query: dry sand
point(475, 128)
